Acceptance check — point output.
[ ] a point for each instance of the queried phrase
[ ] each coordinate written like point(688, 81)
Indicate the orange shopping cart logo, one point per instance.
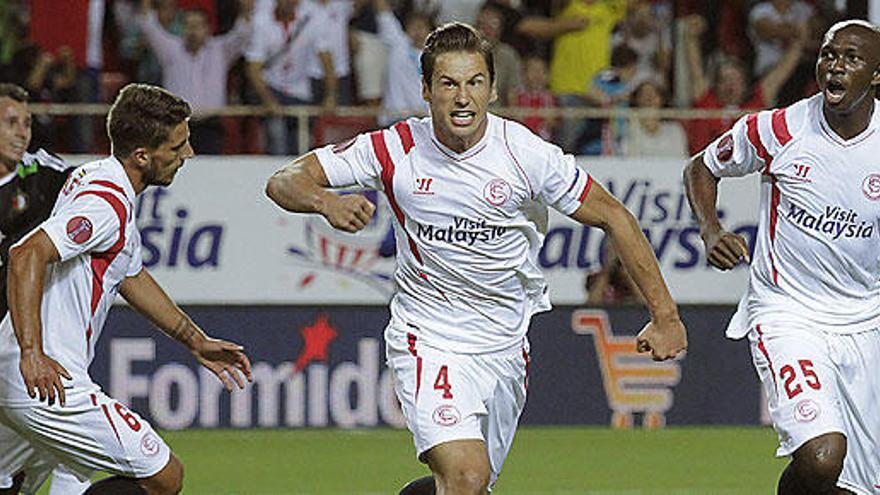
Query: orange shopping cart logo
point(634, 383)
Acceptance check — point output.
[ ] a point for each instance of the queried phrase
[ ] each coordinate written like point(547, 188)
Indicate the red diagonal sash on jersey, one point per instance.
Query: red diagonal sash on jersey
point(101, 261)
point(755, 138)
point(384, 157)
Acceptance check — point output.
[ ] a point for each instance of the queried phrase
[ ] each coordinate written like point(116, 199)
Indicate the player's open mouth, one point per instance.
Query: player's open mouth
point(462, 118)
point(834, 92)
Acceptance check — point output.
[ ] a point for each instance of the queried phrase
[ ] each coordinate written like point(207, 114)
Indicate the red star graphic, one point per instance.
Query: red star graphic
point(317, 338)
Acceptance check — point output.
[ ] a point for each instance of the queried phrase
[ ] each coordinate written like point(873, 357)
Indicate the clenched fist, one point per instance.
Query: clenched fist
point(349, 212)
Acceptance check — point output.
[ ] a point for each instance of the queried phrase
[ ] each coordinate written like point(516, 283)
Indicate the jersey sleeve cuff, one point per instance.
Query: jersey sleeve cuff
point(335, 171)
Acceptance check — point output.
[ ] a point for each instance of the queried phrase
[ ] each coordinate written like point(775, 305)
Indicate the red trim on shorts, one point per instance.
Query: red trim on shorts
point(780, 127)
point(525, 354)
point(411, 342)
point(110, 420)
point(405, 134)
point(763, 349)
point(586, 188)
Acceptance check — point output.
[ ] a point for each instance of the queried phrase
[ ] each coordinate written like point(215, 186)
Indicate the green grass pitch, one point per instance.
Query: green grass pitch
point(543, 461)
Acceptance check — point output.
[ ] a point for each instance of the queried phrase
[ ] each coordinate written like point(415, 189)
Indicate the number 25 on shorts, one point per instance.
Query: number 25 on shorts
point(442, 382)
point(789, 376)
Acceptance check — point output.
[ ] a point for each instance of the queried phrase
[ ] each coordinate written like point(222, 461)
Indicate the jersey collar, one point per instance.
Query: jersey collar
point(470, 152)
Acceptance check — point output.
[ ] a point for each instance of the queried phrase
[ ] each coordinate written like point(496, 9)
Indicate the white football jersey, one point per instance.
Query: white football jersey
point(93, 228)
point(817, 255)
point(469, 226)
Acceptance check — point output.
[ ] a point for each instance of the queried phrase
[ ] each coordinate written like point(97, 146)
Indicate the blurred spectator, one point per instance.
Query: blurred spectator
point(508, 68)
point(47, 79)
point(534, 93)
point(527, 29)
point(612, 284)
point(579, 55)
point(12, 29)
point(195, 66)
point(773, 27)
point(79, 26)
point(369, 56)
point(278, 69)
point(648, 135)
point(731, 88)
point(133, 47)
point(403, 77)
point(330, 68)
point(449, 10)
point(611, 87)
point(646, 29)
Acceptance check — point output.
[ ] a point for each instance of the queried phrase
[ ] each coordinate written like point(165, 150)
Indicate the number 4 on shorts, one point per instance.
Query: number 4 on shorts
point(442, 382)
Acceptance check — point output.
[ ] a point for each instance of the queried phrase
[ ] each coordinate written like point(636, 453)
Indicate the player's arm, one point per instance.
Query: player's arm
point(27, 271)
point(224, 359)
point(300, 187)
point(724, 249)
point(665, 335)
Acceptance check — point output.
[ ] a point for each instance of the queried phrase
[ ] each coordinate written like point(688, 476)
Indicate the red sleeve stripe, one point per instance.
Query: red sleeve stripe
point(780, 127)
point(121, 213)
point(384, 157)
point(405, 134)
point(755, 138)
point(586, 188)
point(108, 184)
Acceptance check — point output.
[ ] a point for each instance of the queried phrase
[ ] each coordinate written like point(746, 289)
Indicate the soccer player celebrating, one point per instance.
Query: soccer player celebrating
point(469, 192)
point(812, 309)
point(63, 279)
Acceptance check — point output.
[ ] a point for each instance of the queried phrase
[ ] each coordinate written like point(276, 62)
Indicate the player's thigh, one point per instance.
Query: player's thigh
point(796, 368)
point(438, 397)
point(94, 432)
point(17, 455)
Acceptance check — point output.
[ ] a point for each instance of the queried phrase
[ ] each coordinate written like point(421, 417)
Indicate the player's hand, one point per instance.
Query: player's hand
point(348, 212)
point(725, 250)
point(663, 339)
point(225, 359)
point(42, 375)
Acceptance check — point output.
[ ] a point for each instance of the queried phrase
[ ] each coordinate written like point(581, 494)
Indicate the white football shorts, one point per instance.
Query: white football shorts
point(92, 432)
point(822, 382)
point(448, 396)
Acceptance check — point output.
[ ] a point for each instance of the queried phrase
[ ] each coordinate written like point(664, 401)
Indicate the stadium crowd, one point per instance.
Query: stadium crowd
point(612, 54)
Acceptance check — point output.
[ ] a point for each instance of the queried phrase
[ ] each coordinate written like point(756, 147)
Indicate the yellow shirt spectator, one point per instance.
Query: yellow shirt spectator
point(579, 55)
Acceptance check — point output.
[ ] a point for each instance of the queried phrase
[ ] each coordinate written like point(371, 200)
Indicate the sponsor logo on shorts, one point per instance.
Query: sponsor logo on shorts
point(79, 229)
point(724, 151)
point(150, 445)
point(447, 415)
point(497, 192)
point(871, 187)
point(806, 411)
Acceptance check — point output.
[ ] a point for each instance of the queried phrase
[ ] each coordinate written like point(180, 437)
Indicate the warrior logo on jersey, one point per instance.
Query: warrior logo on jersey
point(497, 192)
point(447, 415)
point(724, 151)
point(79, 229)
point(806, 410)
point(871, 187)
